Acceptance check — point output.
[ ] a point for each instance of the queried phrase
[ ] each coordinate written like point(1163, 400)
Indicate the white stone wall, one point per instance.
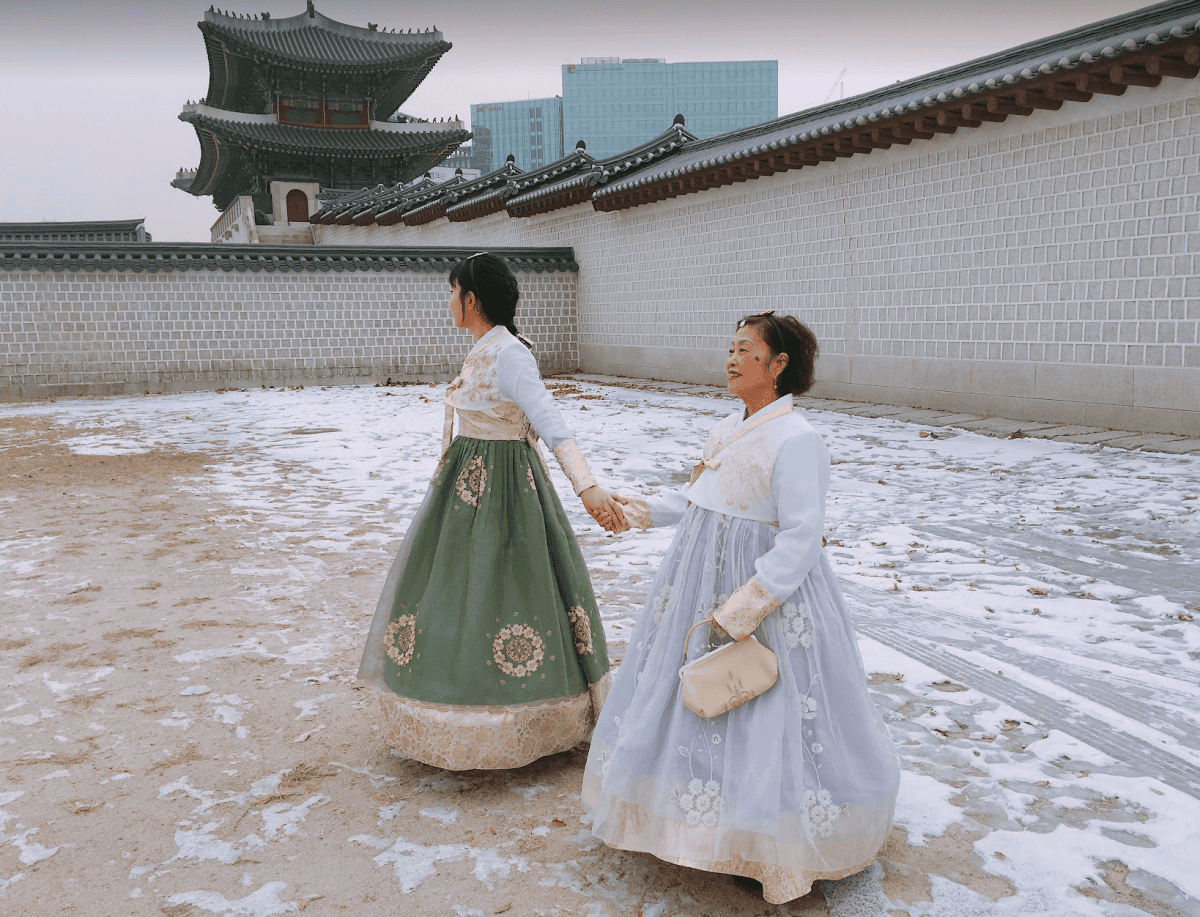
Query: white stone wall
point(1046, 267)
point(86, 333)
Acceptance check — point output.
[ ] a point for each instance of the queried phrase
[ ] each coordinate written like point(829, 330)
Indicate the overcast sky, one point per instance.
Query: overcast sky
point(90, 90)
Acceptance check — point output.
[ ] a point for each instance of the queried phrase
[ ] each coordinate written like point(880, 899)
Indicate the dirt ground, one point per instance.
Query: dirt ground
point(169, 748)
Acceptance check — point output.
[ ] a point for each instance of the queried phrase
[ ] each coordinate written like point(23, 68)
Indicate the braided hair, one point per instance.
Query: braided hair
point(495, 288)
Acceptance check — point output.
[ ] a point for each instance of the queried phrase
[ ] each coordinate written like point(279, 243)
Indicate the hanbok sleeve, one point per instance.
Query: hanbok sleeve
point(661, 509)
point(798, 484)
point(518, 381)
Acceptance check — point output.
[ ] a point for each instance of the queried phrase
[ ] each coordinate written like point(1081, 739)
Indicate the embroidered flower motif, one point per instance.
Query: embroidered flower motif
point(529, 478)
point(798, 625)
point(820, 811)
point(441, 465)
point(817, 748)
point(701, 802)
point(518, 650)
point(744, 477)
point(476, 380)
point(581, 629)
point(808, 707)
point(660, 604)
point(401, 639)
point(472, 481)
point(717, 601)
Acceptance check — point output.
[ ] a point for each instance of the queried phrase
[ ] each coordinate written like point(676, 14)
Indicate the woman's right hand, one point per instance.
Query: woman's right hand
point(605, 508)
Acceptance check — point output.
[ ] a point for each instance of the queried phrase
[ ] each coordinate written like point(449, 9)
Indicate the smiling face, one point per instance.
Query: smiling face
point(751, 370)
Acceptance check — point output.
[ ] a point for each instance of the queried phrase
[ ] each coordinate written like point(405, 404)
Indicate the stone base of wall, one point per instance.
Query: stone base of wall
point(666, 363)
point(1146, 399)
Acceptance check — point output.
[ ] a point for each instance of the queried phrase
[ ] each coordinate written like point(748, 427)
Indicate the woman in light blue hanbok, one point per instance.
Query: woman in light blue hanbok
point(799, 783)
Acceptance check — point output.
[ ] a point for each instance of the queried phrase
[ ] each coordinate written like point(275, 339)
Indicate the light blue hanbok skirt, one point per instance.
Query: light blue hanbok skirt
point(797, 784)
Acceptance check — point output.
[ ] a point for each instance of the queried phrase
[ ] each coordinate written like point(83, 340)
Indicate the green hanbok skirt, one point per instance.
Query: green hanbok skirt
point(486, 645)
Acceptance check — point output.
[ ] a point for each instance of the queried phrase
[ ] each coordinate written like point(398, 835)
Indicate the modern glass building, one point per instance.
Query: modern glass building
point(532, 130)
point(615, 104)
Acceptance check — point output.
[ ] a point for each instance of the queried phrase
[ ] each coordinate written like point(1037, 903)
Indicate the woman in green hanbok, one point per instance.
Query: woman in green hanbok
point(486, 646)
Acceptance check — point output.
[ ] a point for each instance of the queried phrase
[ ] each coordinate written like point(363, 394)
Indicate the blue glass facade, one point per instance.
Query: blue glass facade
point(614, 105)
point(531, 130)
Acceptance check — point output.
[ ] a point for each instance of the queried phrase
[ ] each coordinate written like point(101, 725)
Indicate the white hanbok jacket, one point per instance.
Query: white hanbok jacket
point(770, 467)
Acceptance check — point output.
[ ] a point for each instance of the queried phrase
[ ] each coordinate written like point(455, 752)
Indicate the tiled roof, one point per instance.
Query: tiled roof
point(289, 138)
point(389, 204)
point(1103, 57)
point(216, 256)
point(569, 181)
point(566, 181)
point(312, 38)
point(476, 206)
point(85, 231)
point(496, 178)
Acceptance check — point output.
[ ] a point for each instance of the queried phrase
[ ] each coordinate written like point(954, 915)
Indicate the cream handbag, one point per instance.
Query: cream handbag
point(726, 677)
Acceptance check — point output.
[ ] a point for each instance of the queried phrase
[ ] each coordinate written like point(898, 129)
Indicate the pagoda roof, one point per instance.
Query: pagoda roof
point(315, 39)
point(381, 138)
point(227, 137)
point(241, 48)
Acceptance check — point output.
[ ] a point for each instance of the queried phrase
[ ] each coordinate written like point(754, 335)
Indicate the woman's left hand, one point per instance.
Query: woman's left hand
point(602, 507)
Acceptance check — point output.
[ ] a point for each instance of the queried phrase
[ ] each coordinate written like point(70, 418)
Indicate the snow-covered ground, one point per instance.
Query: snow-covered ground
point(1025, 608)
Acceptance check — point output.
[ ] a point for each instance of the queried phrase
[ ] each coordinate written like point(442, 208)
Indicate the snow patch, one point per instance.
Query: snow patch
point(263, 903)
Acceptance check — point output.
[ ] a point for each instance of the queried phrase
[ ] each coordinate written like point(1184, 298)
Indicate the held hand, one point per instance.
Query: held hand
point(602, 507)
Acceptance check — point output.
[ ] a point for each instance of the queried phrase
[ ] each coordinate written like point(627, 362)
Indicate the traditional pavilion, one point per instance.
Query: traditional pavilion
point(301, 105)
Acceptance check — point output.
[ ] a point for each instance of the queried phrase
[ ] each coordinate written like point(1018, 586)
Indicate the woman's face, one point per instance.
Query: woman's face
point(456, 305)
point(749, 367)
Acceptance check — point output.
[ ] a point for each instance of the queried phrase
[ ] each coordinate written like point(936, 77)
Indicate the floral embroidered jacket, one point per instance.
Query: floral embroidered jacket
point(499, 394)
point(771, 467)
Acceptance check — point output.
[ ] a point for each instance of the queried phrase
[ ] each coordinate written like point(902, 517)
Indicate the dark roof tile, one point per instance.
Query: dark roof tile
point(289, 138)
point(317, 39)
point(139, 257)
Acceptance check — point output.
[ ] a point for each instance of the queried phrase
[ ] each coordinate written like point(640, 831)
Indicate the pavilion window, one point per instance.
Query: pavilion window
point(316, 113)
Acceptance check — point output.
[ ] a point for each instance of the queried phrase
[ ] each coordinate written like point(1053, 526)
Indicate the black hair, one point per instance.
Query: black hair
point(492, 281)
point(785, 334)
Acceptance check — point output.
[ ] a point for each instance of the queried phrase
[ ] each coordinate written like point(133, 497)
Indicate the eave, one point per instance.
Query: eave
point(418, 216)
point(476, 207)
point(139, 257)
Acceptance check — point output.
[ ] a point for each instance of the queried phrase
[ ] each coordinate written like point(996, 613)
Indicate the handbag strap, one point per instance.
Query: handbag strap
point(692, 630)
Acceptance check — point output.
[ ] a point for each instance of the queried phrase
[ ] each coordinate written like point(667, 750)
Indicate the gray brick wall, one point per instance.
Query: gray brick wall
point(1046, 267)
point(72, 333)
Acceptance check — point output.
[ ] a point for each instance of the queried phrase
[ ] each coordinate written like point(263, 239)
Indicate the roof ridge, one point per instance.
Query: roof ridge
point(312, 18)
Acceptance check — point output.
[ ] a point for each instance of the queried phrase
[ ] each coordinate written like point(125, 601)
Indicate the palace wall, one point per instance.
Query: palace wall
point(1043, 268)
point(93, 332)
